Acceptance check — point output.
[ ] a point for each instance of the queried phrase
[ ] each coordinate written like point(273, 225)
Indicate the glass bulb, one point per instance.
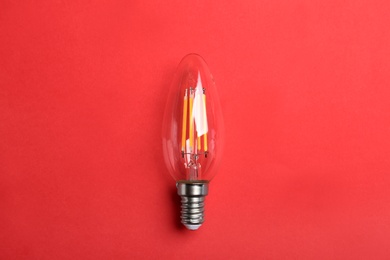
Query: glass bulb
point(192, 135)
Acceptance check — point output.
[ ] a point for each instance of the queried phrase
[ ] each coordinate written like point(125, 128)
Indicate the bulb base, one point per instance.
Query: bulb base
point(192, 202)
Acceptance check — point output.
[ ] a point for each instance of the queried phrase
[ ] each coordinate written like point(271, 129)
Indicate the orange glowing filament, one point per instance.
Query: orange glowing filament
point(188, 145)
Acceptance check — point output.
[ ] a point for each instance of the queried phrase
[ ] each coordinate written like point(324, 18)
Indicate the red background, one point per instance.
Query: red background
point(304, 87)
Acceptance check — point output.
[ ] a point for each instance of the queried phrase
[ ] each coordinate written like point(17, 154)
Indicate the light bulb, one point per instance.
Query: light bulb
point(192, 136)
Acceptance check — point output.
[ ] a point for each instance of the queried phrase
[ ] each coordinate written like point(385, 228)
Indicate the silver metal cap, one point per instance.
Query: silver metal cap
point(192, 203)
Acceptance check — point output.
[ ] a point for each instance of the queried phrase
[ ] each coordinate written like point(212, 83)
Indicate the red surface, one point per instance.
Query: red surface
point(305, 90)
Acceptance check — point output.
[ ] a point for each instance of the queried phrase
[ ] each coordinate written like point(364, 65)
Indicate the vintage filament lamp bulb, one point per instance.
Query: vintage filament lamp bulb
point(192, 136)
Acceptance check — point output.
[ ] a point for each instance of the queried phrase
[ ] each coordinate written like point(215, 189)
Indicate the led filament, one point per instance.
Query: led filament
point(195, 120)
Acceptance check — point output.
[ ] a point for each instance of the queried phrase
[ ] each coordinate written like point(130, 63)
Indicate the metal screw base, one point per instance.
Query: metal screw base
point(192, 203)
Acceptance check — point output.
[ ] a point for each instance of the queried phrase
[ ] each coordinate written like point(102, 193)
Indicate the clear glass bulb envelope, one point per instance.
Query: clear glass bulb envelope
point(193, 125)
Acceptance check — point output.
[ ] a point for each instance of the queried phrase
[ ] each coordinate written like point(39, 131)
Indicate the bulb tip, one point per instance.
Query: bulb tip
point(192, 227)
